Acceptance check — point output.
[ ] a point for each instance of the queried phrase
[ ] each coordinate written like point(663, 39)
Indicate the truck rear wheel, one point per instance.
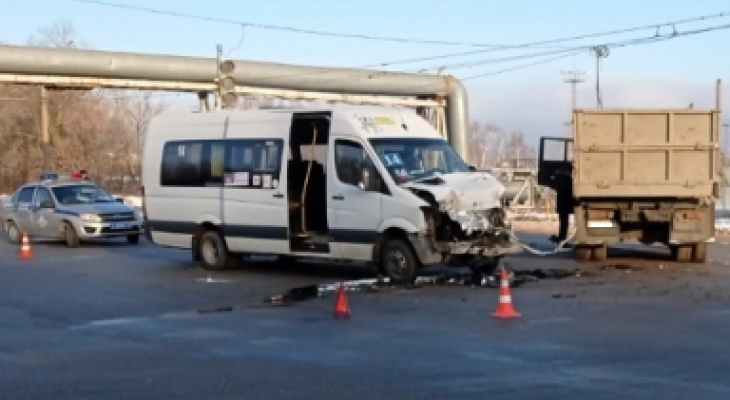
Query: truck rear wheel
point(582, 253)
point(699, 252)
point(682, 253)
point(600, 253)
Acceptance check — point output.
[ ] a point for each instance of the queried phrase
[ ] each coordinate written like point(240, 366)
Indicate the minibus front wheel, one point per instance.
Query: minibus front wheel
point(399, 262)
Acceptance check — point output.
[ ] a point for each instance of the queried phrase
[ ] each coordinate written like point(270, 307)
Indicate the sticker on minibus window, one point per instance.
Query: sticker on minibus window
point(240, 178)
point(236, 179)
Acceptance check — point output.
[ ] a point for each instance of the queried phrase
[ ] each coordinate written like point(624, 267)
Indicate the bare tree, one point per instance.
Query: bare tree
point(95, 130)
point(491, 146)
point(62, 34)
point(134, 114)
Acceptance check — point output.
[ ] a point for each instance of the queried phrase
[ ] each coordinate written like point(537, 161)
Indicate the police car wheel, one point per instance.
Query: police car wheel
point(132, 239)
point(70, 236)
point(213, 251)
point(13, 233)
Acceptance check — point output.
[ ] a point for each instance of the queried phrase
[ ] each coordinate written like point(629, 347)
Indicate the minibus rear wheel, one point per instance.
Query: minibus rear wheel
point(213, 251)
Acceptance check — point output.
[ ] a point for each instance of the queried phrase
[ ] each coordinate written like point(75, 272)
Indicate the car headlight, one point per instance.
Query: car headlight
point(90, 217)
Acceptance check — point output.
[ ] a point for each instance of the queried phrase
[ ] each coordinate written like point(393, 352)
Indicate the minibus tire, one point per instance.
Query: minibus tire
point(213, 251)
point(398, 261)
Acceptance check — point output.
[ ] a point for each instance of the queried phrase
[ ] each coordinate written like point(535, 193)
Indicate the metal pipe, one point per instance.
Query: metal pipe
point(86, 82)
point(138, 66)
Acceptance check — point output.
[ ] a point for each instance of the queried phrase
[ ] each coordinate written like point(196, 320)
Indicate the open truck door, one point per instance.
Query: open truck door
point(555, 154)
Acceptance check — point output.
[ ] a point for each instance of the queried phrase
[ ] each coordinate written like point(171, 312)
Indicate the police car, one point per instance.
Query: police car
point(71, 208)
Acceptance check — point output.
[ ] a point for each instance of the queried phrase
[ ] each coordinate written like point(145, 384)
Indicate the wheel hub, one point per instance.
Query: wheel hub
point(210, 252)
point(13, 233)
point(396, 262)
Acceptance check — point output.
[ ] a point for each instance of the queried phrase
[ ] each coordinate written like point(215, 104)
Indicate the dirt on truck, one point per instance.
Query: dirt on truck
point(651, 175)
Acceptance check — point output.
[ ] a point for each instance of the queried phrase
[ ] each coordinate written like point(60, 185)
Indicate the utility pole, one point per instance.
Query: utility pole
point(723, 147)
point(600, 52)
point(218, 59)
point(574, 78)
point(723, 144)
point(45, 136)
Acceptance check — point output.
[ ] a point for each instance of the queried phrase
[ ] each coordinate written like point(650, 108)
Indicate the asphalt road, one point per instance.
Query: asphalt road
point(114, 321)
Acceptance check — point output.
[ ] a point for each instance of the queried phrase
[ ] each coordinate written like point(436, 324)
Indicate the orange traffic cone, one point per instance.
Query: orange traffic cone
point(25, 252)
point(342, 309)
point(505, 309)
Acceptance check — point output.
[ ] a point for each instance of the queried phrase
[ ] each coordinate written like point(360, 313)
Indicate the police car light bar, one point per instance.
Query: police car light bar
point(49, 176)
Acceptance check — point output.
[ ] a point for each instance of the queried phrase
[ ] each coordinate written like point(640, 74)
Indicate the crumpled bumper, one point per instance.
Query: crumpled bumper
point(434, 253)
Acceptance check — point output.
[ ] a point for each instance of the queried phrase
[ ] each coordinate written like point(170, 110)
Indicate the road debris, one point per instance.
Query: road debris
point(381, 284)
point(215, 310)
point(620, 267)
point(210, 279)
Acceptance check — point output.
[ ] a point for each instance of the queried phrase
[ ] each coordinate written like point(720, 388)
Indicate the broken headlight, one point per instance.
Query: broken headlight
point(497, 218)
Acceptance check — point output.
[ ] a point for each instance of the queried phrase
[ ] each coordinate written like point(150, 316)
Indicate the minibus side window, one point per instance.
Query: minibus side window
point(253, 163)
point(355, 167)
point(192, 163)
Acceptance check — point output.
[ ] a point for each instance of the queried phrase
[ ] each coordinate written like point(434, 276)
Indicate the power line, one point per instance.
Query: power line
point(577, 50)
point(518, 67)
point(491, 48)
point(622, 43)
point(656, 26)
point(284, 28)
point(561, 53)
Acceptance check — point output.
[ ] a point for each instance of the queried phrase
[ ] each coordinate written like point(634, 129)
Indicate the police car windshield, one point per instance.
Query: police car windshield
point(81, 194)
point(411, 159)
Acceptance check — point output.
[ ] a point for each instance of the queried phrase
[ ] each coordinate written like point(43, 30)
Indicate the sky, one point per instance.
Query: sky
point(502, 89)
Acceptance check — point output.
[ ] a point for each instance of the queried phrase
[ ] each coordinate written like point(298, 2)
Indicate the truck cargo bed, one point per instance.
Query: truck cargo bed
point(646, 153)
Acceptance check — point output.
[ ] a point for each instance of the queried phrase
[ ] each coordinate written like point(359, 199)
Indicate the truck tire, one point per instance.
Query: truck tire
point(699, 252)
point(398, 261)
point(682, 253)
point(600, 253)
point(70, 236)
point(213, 251)
point(582, 253)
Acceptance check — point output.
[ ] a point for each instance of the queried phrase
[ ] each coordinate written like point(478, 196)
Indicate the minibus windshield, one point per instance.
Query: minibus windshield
point(410, 159)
